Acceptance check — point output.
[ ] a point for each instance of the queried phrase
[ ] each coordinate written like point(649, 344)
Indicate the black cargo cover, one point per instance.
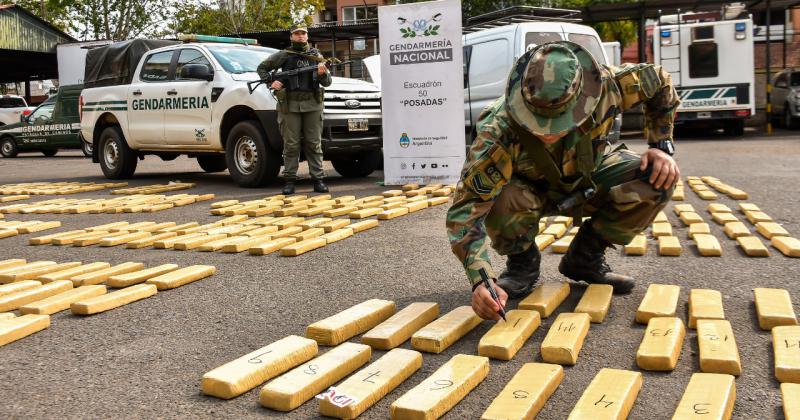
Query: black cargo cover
point(115, 64)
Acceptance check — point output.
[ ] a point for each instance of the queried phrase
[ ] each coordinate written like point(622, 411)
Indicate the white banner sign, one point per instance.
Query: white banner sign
point(423, 92)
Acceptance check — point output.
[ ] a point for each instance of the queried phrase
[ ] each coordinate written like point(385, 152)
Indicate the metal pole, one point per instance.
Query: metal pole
point(769, 73)
point(642, 39)
point(784, 35)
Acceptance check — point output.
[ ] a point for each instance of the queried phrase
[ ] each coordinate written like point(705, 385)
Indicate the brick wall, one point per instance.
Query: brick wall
point(776, 51)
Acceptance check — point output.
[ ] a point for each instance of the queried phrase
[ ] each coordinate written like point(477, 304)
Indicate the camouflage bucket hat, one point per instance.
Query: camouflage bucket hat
point(553, 88)
point(299, 27)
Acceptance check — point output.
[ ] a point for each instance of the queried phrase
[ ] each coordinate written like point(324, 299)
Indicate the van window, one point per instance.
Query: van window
point(489, 62)
point(703, 60)
point(539, 38)
point(591, 44)
point(703, 33)
point(156, 68)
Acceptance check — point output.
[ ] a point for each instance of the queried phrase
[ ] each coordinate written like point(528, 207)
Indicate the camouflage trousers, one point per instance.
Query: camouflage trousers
point(624, 205)
point(301, 130)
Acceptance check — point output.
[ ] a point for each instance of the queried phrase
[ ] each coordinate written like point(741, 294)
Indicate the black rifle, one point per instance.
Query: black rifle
point(278, 75)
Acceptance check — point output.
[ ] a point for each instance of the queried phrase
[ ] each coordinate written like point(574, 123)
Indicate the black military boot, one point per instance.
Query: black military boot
point(319, 186)
point(521, 274)
point(288, 188)
point(586, 261)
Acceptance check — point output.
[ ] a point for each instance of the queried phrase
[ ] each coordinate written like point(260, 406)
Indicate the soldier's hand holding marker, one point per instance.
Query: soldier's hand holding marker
point(484, 305)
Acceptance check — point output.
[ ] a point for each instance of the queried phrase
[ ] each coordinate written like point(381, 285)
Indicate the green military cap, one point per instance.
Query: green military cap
point(553, 88)
point(300, 26)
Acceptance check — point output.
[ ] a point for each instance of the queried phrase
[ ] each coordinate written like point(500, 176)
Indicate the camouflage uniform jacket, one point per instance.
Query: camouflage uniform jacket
point(497, 155)
point(295, 101)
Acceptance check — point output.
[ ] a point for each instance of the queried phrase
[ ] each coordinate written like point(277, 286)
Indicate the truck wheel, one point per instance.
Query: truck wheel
point(788, 121)
point(8, 148)
point(734, 128)
point(251, 162)
point(358, 166)
point(86, 148)
point(212, 164)
point(117, 160)
point(49, 152)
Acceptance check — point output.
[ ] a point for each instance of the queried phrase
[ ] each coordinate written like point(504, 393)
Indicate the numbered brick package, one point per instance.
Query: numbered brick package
point(350, 322)
point(292, 389)
point(247, 372)
point(661, 345)
point(401, 326)
point(442, 333)
point(610, 395)
point(564, 340)
point(708, 395)
point(506, 338)
point(526, 393)
point(546, 298)
point(366, 387)
point(441, 391)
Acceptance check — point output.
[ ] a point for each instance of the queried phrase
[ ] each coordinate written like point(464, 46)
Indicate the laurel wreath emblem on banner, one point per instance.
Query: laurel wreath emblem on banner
point(420, 27)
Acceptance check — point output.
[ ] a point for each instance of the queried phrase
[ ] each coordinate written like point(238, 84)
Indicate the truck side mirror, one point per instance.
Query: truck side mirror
point(197, 71)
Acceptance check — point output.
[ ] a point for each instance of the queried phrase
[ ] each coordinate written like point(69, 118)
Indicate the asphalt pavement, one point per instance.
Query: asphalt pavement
point(145, 360)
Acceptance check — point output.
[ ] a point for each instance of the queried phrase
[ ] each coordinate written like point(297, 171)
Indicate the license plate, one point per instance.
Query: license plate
point(703, 115)
point(357, 124)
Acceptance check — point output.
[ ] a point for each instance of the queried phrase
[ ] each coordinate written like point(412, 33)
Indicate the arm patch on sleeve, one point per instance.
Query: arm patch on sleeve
point(649, 81)
point(489, 174)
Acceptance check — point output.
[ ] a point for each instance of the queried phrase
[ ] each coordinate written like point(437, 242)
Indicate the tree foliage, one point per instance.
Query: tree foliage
point(242, 15)
point(125, 19)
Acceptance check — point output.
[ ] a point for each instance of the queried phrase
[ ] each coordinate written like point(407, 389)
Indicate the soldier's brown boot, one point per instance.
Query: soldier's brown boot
point(521, 274)
point(586, 261)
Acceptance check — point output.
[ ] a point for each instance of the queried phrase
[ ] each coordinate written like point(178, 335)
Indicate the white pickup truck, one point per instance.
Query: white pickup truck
point(193, 99)
point(11, 108)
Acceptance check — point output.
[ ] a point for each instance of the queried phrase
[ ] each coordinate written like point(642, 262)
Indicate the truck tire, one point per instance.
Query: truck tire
point(8, 148)
point(212, 164)
point(251, 162)
point(734, 128)
point(86, 148)
point(117, 160)
point(358, 166)
point(788, 121)
point(49, 152)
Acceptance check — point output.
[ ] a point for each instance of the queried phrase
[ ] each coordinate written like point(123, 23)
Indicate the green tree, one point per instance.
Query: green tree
point(56, 12)
point(194, 18)
point(235, 16)
point(102, 19)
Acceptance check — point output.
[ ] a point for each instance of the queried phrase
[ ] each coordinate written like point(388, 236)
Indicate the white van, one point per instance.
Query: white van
point(489, 55)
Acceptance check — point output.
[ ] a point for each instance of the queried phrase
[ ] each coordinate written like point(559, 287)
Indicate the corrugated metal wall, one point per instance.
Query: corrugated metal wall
point(20, 32)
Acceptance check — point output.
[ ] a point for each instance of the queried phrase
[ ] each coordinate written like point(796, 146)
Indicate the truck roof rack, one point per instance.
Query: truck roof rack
point(520, 14)
point(222, 39)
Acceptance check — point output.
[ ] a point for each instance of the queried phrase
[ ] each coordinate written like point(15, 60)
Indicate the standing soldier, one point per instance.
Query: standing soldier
point(540, 151)
point(300, 105)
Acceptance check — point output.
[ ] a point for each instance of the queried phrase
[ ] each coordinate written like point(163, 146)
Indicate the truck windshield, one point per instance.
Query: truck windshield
point(240, 59)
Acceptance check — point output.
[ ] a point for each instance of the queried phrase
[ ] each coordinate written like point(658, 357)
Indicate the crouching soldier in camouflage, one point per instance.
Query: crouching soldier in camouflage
point(540, 151)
